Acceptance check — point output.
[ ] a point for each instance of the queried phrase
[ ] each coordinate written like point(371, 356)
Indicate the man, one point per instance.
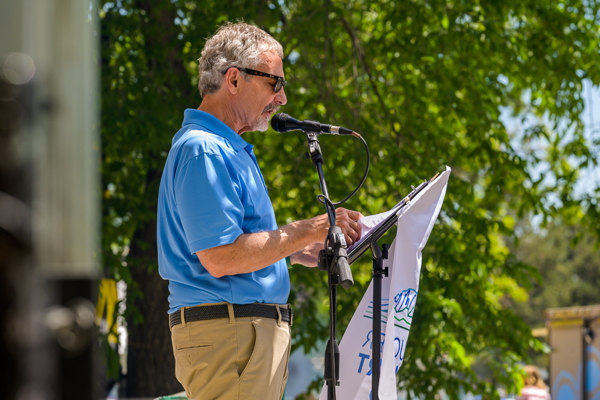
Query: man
point(219, 245)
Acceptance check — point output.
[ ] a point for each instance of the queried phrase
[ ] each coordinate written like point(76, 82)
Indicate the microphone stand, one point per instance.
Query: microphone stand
point(333, 259)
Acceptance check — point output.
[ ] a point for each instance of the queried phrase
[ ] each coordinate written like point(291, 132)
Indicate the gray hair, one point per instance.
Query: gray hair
point(233, 45)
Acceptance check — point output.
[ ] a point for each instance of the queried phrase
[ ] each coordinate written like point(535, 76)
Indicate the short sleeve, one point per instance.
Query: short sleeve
point(209, 205)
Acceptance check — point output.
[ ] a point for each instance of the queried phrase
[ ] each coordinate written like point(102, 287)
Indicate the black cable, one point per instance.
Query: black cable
point(330, 203)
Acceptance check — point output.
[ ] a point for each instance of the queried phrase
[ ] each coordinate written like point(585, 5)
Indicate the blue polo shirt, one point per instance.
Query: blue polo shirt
point(211, 192)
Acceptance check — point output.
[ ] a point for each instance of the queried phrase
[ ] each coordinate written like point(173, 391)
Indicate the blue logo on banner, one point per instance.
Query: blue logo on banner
point(405, 303)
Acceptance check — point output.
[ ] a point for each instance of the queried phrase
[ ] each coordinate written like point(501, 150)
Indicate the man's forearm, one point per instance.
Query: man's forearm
point(253, 251)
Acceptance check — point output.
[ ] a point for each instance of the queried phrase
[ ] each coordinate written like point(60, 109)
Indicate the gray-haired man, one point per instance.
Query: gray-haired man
point(219, 245)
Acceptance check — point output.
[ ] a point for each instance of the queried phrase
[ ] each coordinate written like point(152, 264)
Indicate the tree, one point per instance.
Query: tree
point(424, 82)
point(148, 52)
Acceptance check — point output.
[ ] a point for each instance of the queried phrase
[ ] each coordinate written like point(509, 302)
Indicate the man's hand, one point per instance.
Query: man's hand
point(348, 221)
point(308, 256)
point(345, 219)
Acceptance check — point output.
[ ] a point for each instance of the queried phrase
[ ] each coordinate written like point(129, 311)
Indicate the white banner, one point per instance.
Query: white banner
point(399, 295)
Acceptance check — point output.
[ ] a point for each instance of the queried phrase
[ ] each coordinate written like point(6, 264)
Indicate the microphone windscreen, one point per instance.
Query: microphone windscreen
point(278, 122)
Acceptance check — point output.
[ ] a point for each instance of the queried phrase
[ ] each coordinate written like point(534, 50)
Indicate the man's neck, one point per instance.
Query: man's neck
point(219, 110)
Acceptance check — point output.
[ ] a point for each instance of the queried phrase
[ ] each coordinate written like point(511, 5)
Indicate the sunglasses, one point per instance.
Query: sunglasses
point(280, 84)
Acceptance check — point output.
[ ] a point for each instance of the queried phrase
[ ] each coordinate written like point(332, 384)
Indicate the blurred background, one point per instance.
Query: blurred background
point(49, 198)
point(505, 93)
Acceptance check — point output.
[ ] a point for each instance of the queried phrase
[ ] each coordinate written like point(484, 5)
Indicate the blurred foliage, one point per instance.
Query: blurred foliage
point(425, 83)
point(568, 261)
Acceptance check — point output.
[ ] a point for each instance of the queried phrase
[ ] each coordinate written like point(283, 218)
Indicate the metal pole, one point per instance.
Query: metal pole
point(587, 338)
point(378, 273)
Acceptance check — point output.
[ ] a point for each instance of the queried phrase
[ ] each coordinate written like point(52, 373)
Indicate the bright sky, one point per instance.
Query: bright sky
point(590, 177)
point(591, 118)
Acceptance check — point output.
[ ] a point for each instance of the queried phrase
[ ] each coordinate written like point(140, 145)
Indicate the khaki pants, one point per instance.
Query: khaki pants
point(232, 358)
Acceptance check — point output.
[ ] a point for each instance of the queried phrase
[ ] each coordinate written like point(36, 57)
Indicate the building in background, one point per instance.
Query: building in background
point(573, 335)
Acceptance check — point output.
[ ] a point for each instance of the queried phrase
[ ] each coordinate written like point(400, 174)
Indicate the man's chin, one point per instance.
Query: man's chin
point(262, 125)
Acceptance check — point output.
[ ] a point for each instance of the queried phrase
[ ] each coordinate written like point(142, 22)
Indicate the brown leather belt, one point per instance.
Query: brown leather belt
point(204, 313)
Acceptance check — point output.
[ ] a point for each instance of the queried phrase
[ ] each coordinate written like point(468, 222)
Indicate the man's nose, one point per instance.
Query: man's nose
point(281, 98)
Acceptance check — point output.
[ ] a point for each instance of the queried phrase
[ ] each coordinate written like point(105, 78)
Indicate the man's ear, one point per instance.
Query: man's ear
point(232, 77)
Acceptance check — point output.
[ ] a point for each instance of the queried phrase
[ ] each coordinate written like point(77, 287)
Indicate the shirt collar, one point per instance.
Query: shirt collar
point(214, 125)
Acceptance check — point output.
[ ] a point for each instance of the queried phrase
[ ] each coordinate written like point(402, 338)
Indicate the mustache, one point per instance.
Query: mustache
point(272, 107)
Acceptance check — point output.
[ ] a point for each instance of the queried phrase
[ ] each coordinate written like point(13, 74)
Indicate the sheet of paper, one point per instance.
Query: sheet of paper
point(371, 222)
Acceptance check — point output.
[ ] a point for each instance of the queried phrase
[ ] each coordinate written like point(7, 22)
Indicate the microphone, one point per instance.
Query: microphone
point(284, 123)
